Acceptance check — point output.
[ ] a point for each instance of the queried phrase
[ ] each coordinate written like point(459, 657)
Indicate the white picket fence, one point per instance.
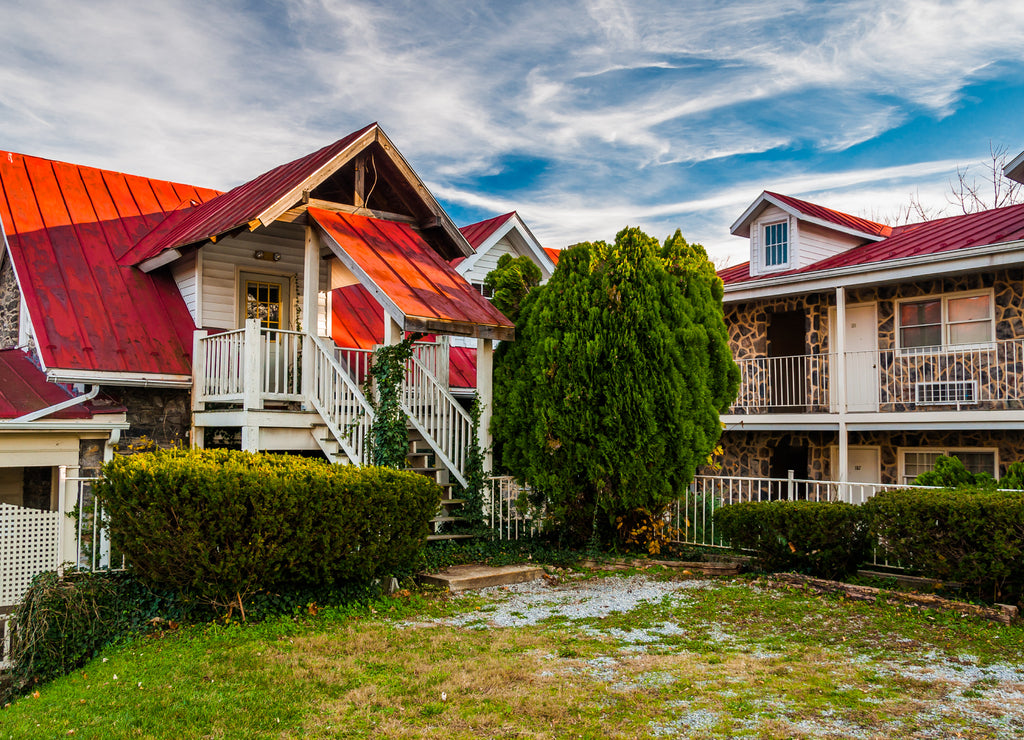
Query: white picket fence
point(34, 542)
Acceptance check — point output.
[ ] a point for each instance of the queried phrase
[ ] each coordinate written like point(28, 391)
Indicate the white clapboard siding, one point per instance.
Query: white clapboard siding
point(184, 272)
point(817, 243)
point(12, 486)
point(223, 260)
point(489, 260)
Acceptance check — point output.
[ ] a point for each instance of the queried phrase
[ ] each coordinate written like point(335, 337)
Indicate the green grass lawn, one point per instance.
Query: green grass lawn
point(714, 659)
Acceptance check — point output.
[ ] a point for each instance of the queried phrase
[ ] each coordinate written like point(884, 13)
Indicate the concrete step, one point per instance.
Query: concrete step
point(466, 577)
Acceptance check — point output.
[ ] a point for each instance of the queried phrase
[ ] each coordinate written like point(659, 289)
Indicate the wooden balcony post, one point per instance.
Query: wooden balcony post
point(840, 369)
point(310, 306)
point(198, 369)
point(485, 388)
point(251, 380)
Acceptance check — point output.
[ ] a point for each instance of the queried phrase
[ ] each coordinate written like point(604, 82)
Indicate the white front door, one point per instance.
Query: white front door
point(861, 358)
point(865, 467)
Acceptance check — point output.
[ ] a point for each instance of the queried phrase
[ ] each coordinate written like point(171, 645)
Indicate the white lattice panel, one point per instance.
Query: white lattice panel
point(29, 542)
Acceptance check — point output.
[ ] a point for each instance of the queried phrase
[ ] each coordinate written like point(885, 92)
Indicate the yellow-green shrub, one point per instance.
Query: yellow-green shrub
point(222, 524)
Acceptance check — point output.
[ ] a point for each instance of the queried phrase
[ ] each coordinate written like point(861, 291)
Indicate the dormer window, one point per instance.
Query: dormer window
point(776, 244)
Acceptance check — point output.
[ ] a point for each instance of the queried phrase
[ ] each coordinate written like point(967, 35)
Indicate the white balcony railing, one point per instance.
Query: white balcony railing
point(989, 376)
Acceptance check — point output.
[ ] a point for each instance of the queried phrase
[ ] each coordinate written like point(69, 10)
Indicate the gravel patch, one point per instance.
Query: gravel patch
point(530, 603)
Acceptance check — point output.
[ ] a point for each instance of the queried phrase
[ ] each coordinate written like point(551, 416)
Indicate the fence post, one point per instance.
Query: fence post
point(790, 485)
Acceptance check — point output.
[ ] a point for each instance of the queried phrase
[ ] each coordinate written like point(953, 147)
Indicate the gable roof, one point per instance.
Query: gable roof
point(553, 254)
point(408, 277)
point(263, 199)
point(812, 213)
point(934, 237)
point(65, 226)
point(485, 234)
point(476, 234)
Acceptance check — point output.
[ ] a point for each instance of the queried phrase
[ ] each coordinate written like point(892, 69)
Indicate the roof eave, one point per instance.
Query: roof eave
point(1001, 254)
point(741, 227)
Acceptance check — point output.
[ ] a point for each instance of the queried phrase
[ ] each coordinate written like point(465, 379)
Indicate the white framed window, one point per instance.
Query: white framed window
point(484, 290)
point(776, 244)
point(948, 320)
point(917, 460)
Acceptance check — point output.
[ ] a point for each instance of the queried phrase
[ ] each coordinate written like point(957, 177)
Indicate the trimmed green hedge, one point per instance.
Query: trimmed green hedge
point(221, 524)
point(827, 540)
point(974, 537)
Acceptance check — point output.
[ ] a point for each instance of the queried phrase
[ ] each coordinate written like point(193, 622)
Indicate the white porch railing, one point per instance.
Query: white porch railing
point(799, 383)
point(693, 514)
point(506, 517)
point(251, 365)
point(971, 376)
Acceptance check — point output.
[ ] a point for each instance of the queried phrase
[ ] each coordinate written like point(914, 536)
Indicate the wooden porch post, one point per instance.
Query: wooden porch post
point(252, 384)
point(393, 333)
point(198, 375)
point(310, 318)
point(485, 388)
point(840, 376)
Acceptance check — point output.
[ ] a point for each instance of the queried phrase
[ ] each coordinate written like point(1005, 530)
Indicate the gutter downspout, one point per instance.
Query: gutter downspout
point(33, 415)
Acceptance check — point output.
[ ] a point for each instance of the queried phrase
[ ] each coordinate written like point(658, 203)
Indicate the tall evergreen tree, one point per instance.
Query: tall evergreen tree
point(609, 398)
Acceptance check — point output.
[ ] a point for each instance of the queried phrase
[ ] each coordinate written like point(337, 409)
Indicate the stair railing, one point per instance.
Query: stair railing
point(341, 404)
point(436, 415)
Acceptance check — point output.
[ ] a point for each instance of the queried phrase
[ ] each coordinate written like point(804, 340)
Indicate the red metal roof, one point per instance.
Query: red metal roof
point(238, 206)
point(553, 253)
point(66, 225)
point(476, 234)
point(408, 270)
point(358, 322)
point(462, 367)
point(24, 389)
point(813, 210)
point(913, 240)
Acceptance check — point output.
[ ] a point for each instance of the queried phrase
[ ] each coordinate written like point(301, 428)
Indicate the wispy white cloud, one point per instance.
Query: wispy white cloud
point(647, 112)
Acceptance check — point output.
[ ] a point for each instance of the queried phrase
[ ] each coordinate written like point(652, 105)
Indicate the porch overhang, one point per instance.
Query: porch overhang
point(418, 289)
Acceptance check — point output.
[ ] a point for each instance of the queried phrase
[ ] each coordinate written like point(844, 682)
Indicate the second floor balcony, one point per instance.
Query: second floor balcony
point(981, 377)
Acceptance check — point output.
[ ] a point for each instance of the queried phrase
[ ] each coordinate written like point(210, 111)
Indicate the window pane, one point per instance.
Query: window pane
point(977, 462)
point(973, 333)
point(969, 309)
point(915, 463)
point(776, 243)
point(921, 336)
point(921, 312)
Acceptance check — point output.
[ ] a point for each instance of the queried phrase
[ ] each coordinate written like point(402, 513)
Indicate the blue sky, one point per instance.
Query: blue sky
point(584, 116)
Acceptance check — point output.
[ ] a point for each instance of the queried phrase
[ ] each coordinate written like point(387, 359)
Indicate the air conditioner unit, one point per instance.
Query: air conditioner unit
point(946, 393)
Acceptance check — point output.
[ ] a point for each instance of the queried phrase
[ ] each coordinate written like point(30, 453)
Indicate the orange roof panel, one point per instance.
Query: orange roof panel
point(399, 263)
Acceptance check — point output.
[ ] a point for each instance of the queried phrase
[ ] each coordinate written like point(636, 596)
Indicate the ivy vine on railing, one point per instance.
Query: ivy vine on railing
point(476, 477)
point(389, 440)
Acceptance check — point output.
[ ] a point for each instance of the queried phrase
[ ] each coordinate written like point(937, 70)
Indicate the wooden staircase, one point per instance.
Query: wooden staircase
point(421, 459)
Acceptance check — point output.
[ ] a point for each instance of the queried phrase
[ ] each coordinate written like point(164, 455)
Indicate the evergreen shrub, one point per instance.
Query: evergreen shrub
point(822, 539)
point(220, 525)
point(975, 537)
point(608, 400)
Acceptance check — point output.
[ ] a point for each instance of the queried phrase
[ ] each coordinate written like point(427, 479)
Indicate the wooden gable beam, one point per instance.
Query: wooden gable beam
point(293, 196)
point(442, 219)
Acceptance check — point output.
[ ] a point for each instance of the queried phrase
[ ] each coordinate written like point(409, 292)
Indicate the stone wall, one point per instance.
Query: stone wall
point(1009, 443)
point(994, 371)
point(163, 415)
point(748, 454)
point(10, 305)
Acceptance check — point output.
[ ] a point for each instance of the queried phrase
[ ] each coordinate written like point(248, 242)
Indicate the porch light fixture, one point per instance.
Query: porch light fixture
point(268, 256)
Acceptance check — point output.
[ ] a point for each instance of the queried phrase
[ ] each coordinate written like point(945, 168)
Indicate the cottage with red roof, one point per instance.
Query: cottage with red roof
point(868, 350)
point(137, 307)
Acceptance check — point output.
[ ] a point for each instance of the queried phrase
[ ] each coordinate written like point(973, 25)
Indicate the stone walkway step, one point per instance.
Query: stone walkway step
point(467, 577)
